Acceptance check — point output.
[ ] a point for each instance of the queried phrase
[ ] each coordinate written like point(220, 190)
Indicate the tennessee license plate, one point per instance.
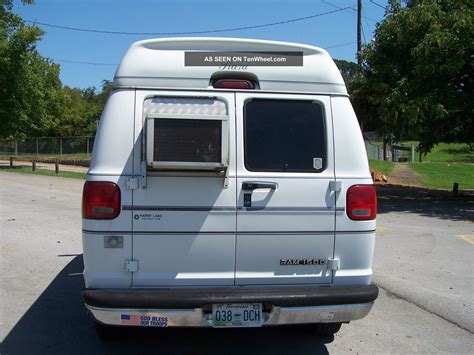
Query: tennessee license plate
point(237, 315)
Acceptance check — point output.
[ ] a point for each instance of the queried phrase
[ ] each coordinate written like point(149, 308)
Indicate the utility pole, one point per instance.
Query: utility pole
point(359, 33)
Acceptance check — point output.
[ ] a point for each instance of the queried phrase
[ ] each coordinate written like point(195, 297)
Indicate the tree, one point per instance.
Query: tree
point(31, 98)
point(416, 80)
point(348, 70)
point(83, 110)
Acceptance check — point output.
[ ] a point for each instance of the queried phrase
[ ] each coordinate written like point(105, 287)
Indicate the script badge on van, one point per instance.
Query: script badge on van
point(289, 262)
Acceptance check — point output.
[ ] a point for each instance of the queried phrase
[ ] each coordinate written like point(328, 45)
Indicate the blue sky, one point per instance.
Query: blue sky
point(336, 29)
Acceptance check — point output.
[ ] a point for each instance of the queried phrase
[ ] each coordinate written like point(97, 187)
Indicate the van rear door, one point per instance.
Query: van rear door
point(184, 220)
point(285, 206)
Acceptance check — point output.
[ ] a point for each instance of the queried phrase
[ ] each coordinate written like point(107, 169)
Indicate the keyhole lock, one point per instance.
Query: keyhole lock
point(248, 200)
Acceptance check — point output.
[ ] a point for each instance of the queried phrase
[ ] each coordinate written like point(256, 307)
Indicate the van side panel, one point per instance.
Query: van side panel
point(113, 145)
point(354, 241)
point(350, 154)
point(112, 160)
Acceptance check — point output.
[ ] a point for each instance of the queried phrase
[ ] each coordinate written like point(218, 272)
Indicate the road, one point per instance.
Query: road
point(422, 262)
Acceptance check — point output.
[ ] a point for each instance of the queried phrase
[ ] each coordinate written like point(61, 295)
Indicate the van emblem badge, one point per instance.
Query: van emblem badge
point(289, 262)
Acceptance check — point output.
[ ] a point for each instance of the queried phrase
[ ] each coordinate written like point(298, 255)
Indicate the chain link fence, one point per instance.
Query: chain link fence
point(374, 151)
point(79, 147)
point(395, 152)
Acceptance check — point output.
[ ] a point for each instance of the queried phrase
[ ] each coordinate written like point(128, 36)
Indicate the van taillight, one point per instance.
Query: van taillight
point(100, 200)
point(361, 202)
point(233, 84)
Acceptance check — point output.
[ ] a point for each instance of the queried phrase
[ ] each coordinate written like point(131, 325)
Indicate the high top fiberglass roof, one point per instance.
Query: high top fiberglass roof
point(160, 63)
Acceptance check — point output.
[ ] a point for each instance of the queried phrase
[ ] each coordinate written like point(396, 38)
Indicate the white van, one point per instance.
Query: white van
point(224, 195)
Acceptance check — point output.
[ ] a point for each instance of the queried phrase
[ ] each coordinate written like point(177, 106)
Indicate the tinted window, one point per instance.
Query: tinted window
point(284, 135)
point(187, 140)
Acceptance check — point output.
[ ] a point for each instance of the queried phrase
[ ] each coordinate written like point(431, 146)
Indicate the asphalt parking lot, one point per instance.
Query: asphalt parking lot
point(423, 263)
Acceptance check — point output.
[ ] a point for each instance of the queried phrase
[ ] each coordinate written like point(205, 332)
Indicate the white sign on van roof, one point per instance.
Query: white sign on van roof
point(160, 63)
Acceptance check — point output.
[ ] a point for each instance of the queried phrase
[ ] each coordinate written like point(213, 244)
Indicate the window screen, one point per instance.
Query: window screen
point(187, 140)
point(284, 135)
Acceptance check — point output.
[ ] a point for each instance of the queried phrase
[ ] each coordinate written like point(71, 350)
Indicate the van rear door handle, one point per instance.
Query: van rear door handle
point(254, 185)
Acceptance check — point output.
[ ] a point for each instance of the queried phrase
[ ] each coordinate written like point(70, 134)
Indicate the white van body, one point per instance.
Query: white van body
point(190, 238)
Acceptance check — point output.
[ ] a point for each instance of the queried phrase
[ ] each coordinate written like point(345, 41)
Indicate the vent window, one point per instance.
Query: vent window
point(186, 133)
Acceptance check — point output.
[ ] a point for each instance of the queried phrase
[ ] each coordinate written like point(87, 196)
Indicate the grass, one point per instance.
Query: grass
point(442, 152)
point(453, 152)
point(443, 175)
point(30, 157)
point(447, 152)
point(46, 172)
point(384, 167)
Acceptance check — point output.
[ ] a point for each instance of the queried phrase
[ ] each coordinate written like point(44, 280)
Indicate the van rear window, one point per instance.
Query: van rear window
point(284, 136)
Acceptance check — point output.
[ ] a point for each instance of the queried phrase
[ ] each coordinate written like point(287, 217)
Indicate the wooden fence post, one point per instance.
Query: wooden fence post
point(56, 167)
point(11, 162)
point(33, 165)
point(455, 189)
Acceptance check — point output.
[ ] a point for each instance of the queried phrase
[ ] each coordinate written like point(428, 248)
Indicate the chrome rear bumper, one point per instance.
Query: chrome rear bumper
point(198, 318)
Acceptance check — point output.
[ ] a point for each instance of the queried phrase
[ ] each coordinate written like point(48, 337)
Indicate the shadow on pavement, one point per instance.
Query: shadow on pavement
point(58, 323)
point(425, 202)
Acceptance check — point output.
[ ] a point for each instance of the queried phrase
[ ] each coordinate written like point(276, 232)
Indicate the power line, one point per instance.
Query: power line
point(373, 2)
point(79, 62)
point(340, 45)
point(367, 24)
point(190, 32)
point(352, 10)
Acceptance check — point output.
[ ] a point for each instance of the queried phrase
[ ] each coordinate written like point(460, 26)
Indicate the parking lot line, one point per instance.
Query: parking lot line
point(467, 238)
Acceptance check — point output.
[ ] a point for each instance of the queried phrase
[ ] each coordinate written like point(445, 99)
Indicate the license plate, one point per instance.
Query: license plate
point(237, 315)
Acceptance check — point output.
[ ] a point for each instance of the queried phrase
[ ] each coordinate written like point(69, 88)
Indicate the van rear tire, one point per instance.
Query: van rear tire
point(327, 329)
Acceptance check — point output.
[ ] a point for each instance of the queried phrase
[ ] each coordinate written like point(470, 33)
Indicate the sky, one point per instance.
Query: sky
point(336, 32)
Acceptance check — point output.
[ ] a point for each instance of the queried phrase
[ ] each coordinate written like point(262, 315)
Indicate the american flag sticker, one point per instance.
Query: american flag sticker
point(130, 319)
point(144, 320)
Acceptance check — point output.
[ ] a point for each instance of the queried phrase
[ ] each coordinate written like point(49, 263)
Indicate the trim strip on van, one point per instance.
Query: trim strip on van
point(221, 232)
point(178, 208)
point(290, 209)
point(230, 209)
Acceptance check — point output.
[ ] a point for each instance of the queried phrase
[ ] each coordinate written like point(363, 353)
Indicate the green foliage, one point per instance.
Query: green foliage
point(33, 102)
point(381, 166)
point(84, 110)
point(31, 99)
point(348, 70)
point(443, 175)
point(416, 81)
